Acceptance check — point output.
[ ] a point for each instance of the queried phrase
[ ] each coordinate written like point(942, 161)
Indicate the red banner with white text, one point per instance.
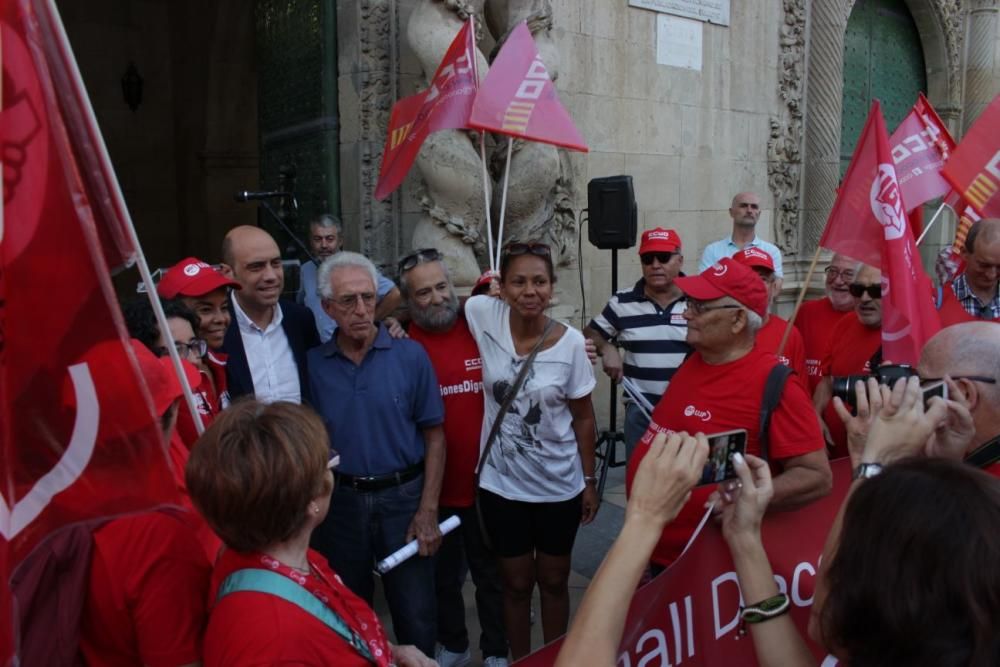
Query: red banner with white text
point(78, 435)
point(689, 615)
point(974, 168)
point(921, 146)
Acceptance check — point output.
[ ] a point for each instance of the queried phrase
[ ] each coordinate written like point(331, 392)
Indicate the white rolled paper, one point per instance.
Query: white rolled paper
point(411, 548)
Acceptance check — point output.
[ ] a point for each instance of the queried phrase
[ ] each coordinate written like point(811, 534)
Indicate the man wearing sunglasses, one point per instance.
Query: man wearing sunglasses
point(647, 321)
point(853, 342)
point(817, 318)
point(326, 238)
point(975, 294)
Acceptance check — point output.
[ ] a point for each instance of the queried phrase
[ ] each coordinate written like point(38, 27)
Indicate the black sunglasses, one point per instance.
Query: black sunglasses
point(661, 257)
point(418, 257)
point(515, 249)
point(975, 378)
point(857, 289)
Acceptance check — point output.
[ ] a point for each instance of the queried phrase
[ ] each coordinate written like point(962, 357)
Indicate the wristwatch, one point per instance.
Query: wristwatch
point(867, 470)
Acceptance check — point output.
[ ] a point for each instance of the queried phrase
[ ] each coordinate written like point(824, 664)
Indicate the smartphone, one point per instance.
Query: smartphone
point(721, 447)
point(935, 389)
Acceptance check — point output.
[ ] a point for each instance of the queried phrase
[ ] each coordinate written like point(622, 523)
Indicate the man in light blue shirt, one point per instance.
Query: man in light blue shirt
point(745, 211)
point(325, 239)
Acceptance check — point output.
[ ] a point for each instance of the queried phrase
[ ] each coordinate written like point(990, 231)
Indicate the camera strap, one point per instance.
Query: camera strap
point(773, 388)
point(986, 454)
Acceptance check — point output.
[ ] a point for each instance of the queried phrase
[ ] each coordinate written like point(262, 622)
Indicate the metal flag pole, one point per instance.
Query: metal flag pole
point(102, 153)
point(503, 197)
point(931, 223)
point(487, 199)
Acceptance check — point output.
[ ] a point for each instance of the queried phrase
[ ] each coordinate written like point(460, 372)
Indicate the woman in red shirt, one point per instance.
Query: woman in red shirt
point(262, 477)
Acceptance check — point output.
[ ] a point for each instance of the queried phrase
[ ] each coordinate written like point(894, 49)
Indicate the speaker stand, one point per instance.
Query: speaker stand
point(606, 449)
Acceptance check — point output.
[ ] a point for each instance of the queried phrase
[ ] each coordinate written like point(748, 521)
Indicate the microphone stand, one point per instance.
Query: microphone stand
point(277, 218)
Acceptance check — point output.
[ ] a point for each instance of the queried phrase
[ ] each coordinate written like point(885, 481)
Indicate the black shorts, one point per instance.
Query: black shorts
point(517, 528)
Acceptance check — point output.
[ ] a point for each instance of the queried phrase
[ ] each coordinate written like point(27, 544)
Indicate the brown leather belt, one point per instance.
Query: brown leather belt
point(379, 482)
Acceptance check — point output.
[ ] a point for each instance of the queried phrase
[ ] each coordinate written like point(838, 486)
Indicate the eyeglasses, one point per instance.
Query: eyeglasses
point(847, 275)
point(699, 307)
point(196, 346)
point(348, 300)
point(857, 289)
point(418, 257)
point(661, 257)
point(975, 378)
point(515, 249)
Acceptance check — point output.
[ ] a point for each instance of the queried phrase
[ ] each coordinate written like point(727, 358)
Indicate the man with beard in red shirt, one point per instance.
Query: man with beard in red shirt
point(817, 318)
point(720, 388)
point(853, 343)
point(437, 324)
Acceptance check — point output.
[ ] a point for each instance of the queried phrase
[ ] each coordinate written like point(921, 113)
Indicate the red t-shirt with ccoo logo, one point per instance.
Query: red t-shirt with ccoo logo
point(716, 398)
point(459, 369)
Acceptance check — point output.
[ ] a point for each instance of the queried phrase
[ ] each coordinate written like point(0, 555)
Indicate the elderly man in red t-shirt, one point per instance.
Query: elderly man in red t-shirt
point(853, 343)
point(720, 388)
point(769, 337)
point(437, 323)
point(817, 318)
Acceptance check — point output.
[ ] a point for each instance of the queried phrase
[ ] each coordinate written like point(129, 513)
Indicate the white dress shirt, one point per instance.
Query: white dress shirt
point(269, 356)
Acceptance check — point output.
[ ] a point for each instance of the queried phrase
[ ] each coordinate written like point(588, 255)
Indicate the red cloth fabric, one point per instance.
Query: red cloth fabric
point(815, 321)
point(211, 396)
point(459, 369)
point(794, 355)
point(248, 628)
point(852, 345)
point(993, 469)
point(146, 597)
point(712, 399)
point(952, 311)
point(206, 537)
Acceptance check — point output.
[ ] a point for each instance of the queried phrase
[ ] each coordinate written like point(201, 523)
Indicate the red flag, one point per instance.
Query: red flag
point(444, 105)
point(974, 168)
point(78, 435)
point(921, 146)
point(869, 223)
point(517, 97)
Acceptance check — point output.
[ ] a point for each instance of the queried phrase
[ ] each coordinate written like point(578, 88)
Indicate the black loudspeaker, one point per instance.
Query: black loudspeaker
point(612, 212)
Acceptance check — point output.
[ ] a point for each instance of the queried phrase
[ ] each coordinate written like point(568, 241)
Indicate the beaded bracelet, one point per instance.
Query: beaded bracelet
point(763, 611)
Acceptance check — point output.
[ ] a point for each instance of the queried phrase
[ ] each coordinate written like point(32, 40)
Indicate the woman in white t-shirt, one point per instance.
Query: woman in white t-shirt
point(537, 482)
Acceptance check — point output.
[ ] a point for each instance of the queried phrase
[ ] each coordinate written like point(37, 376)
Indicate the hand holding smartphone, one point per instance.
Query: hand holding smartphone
point(721, 447)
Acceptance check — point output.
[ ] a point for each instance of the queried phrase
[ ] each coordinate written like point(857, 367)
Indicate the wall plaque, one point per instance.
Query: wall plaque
point(709, 11)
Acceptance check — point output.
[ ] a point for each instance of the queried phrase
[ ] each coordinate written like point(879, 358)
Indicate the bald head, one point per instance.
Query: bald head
point(982, 258)
point(254, 261)
point(963, 350)
point(745, 209)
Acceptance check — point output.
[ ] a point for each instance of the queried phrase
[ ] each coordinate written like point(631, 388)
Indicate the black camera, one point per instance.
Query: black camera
point(843, 385)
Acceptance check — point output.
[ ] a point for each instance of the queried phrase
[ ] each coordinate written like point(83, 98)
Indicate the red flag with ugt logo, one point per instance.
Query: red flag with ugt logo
point(517, 97)
point(444, 105)
point(974, 168)
point(869, 223)
point(921, 146)
point(78, 435)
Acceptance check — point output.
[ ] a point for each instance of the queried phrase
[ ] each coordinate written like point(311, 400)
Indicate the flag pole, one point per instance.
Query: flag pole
point(930, 224)
point(798, 302)
point(116, 192)
point(503, 197)
point(482, 152)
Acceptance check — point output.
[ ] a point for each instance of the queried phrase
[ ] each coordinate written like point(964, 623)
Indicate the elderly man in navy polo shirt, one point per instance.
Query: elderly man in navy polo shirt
point(382, 407)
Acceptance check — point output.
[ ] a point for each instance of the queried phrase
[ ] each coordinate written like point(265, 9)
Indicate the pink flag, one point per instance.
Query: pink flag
point(921, 146)
point(869, 223)
point(517, 97)
point(445, 105)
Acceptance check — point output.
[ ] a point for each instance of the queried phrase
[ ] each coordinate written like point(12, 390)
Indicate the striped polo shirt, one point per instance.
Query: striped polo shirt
point(652, 338)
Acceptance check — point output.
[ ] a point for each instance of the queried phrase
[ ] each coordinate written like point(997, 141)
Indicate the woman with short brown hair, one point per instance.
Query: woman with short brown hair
point(262, 476)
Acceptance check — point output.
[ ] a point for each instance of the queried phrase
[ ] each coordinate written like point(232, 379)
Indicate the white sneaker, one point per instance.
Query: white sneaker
point(446, 658)
point(495, 661)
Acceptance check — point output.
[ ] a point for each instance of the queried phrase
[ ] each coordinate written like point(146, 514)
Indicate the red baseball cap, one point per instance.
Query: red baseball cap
point(659, 240)
point(755, 257)
point(727, 278)
point(192, 277)
point(482, 285)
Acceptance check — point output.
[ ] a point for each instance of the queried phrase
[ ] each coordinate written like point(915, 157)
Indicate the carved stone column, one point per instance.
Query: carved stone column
point(981, 81)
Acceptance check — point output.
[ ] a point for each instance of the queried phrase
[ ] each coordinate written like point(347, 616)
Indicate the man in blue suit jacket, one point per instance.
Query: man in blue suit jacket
point(268, 336)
